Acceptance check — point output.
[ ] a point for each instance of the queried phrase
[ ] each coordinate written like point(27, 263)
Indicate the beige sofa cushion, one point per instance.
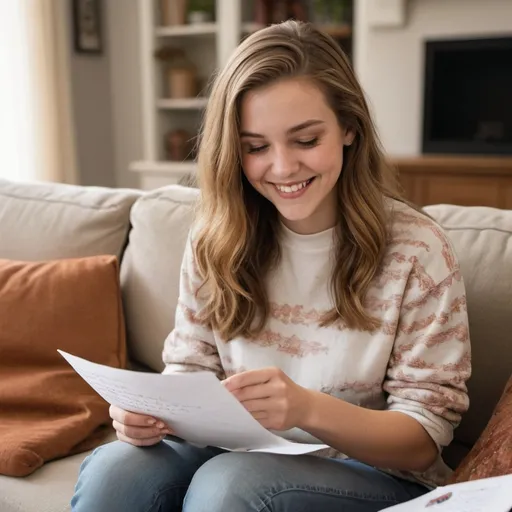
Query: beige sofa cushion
point(150, 269)
point(483, 241)
point(43, 221)
point(49, 489)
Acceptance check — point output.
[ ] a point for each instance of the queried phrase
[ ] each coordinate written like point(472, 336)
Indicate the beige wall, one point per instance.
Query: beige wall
point(90, 82)
point(125, 87)
point(389, 61)
point(106, 100)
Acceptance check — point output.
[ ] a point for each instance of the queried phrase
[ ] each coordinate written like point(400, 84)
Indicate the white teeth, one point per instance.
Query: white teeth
point(294, 188)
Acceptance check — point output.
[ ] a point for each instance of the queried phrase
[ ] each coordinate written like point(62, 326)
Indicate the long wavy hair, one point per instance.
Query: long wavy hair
point(237, 239)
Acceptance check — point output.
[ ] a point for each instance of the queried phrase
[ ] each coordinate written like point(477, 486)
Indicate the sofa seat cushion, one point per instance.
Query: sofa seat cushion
point(482, 238)
point(150, 270)
point(49, 489)
point(47, 410)
point(46, 221)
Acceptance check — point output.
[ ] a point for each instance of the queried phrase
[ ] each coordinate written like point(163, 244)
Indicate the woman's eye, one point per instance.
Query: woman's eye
point(308, 143)
point(256, 149)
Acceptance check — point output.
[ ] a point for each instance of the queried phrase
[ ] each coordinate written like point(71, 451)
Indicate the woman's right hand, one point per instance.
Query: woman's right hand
point(137, 429)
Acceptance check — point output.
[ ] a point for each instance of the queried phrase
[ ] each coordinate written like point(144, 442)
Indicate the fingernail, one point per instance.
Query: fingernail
point(160, 424)
point(151, 421)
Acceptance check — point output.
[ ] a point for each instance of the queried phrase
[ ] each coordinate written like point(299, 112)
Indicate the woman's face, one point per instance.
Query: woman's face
point(292, 152)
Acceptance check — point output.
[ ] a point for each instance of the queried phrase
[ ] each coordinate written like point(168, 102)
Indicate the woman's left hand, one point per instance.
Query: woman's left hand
point(271, 397)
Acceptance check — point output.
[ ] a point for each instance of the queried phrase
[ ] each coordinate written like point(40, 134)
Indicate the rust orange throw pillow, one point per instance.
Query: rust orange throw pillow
point(492, 453)
point(46, 410)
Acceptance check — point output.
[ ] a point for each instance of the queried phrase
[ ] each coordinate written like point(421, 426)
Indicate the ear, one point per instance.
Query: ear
point(348, 136)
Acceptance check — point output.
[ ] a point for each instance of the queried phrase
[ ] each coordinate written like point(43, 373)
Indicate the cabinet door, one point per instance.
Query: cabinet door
point(409, 185)
point(463, 190)
point(508, 196)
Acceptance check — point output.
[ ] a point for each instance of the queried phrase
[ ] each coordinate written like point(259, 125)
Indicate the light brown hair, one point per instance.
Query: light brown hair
point(237, 241)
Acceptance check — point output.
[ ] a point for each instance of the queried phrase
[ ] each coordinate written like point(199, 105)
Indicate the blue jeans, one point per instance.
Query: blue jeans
point(174, 476)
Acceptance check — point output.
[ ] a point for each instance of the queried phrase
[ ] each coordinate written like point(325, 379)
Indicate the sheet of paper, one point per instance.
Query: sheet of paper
point(195, 405)
point(489, 495)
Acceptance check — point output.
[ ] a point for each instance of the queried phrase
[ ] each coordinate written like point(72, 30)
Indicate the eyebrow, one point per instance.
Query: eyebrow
point(293, 129)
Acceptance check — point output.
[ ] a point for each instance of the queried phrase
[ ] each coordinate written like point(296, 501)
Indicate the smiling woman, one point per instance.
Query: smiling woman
point(331, 309)
point(36, 123)
point(298, 154)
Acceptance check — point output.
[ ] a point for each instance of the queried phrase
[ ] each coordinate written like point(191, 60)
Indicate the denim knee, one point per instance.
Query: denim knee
point(264, 482)
point(120, 477)
point(231, 481)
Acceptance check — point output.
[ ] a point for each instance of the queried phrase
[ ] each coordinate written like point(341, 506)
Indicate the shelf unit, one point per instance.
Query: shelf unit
point(337, 31)
point(182, 104)
point(208, 46)
point(199, 29)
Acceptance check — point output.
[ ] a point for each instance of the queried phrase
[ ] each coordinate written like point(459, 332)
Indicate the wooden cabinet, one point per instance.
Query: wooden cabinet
point(465, 181)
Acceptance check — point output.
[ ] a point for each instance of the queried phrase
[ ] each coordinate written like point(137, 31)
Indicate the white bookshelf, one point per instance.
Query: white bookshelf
point(198, 29)
point(250, 27)
point(182, 104)
point(208, 46)
point(178, 169)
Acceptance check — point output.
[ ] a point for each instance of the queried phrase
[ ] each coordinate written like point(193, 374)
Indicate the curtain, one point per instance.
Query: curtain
point(37, 140)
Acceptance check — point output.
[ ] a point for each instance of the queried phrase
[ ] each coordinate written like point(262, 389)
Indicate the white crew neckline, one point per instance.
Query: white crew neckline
point(322, 240)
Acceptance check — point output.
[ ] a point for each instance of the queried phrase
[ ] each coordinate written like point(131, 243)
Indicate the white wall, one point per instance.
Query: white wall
point(389, 61)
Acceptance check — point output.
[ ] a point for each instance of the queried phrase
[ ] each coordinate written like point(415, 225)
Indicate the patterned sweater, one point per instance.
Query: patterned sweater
point(417, 362)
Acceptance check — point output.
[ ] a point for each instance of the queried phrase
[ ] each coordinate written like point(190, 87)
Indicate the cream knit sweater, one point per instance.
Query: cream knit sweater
point(416, 363)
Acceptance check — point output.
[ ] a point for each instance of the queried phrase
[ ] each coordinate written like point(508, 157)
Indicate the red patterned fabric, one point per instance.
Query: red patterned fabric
point(492, 453)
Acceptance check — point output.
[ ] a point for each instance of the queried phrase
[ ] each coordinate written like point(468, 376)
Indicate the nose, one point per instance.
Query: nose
point(284, 163)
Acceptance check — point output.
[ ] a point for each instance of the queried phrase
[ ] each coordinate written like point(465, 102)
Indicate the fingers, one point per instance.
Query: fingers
point(255, 392)
point(250, 378)
point(260, 415)
point(140, 432)
point(140, 442)
point(138, 429)
point(134, 419)
point(267, 420)
point(268, 424)
point(254, 406)
point(131, 418)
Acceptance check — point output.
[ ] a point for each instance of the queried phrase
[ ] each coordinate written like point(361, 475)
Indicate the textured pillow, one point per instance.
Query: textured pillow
point(48, 411)
point(492, 453)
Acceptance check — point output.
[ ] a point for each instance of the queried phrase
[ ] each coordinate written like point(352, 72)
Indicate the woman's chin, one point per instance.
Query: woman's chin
point(290, 217)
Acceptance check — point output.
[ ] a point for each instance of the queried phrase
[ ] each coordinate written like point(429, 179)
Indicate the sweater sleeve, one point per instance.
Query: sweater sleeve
point(431, 359)
point(191, 345)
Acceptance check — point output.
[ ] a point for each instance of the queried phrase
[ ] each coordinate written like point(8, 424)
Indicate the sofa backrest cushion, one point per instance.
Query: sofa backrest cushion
point(150, 269)
point(483, 241)
point(46, 221)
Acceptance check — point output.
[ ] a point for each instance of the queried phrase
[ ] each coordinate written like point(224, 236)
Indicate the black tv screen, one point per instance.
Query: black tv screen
point(468, 96)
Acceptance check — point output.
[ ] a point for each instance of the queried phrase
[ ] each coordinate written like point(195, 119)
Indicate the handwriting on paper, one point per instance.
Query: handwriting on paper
point(196, 406)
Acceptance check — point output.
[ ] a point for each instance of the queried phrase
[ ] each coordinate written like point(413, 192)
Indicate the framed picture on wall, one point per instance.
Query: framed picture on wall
point(87, 26)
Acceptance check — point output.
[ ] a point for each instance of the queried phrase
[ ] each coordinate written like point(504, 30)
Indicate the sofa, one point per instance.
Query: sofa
point(147, 231)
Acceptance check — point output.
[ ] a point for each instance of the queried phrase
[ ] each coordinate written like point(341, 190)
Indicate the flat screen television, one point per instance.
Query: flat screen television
point(467, 106)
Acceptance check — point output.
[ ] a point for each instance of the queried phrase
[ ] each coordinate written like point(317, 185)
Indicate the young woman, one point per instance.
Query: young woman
point(332, 310)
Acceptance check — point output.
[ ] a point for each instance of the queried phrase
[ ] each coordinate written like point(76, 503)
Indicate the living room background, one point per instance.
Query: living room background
point(387, 43)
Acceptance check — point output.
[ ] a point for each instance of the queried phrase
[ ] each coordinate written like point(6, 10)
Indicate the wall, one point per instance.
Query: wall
point(91, 92)
point(389, 61)
point(125, 87)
